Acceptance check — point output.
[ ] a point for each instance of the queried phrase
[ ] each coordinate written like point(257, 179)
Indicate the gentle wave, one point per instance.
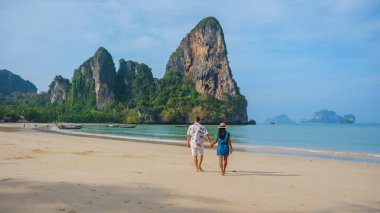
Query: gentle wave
point(70, 132)
point(326, 152)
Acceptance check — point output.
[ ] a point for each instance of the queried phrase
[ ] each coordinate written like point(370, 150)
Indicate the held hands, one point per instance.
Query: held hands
point(211, 144)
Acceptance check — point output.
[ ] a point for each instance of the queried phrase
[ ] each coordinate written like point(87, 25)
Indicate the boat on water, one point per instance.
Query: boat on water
point(113, 125)
point(121, 126)
point(127, 126)
point(66, 126)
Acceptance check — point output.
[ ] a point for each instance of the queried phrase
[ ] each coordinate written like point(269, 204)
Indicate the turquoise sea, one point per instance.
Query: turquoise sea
point(354, 142)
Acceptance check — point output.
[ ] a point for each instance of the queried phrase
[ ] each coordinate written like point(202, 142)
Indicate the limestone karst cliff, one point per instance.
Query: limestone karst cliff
point(133, 80)
point(202, 55)
point(94, 81)
point(59, 89)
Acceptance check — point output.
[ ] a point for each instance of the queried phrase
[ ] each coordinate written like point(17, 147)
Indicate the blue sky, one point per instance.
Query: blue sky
point(292, 57)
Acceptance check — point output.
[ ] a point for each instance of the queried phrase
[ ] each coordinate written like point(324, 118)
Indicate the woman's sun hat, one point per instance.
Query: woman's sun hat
point(222, 126)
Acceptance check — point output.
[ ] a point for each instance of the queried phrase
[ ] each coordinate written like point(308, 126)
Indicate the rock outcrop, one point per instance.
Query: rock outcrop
point(202, 58)
point(133, 80)
point(59, 89)
point(202, 55)
point(10, 82)
point(94, 80)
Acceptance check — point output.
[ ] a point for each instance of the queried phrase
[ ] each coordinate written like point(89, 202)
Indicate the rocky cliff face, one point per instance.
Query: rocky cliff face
point(10, 82)
point(202, 55)
point(94, 80)
point(133, 80)
point(58, 89)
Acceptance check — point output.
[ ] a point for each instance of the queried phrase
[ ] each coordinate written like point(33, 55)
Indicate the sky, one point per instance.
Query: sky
point(288, 57)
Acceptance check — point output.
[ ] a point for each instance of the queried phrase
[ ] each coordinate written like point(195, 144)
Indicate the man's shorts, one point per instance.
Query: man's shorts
point(196, 150)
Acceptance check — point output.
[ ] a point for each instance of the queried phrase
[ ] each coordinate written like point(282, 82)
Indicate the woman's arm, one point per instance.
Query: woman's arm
point(215, 141)
point(230, 143)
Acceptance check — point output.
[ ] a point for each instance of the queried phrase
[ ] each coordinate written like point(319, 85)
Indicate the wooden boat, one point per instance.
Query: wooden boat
point(63, 126)
point(127, 126)
point(113, 125)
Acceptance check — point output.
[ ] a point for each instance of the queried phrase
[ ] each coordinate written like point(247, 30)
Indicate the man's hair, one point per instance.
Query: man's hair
point(198, 118)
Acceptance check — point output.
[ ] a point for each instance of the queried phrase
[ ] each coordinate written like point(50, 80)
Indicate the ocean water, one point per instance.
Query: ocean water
point(346, 142)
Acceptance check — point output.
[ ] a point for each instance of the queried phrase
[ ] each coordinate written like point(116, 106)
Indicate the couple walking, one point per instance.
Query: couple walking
point(195, 136)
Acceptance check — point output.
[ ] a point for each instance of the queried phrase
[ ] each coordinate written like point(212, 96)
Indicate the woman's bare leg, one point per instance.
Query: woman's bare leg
point(225, 163)
point(221, 164)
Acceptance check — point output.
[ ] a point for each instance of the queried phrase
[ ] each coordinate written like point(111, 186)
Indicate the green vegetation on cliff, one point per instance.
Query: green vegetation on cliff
point(82, 92)
point(134, 83)
point(10, 82)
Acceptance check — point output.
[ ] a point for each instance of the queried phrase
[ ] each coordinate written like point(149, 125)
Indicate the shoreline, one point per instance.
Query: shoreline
point(273, 150)
point(304, 152)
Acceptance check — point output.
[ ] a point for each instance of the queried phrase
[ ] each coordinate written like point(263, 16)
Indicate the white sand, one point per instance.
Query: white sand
point(46, 172)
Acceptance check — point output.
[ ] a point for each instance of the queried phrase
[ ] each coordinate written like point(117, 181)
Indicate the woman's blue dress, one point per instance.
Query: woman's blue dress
point(223, 147)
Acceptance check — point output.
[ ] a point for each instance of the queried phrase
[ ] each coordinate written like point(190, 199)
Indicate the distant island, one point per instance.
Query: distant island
point(280, 119)
point(330, 117)
point(198, 81)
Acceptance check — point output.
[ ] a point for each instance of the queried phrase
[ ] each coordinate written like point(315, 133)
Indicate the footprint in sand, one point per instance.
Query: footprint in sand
point(4, 179)
point(19, 158)
point(107, 194)
point(61, 209)
point(38, 151)
point(88, 202)
point(83, 153)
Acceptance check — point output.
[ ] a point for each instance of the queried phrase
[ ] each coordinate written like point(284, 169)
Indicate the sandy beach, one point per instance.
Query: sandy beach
point(50, 172)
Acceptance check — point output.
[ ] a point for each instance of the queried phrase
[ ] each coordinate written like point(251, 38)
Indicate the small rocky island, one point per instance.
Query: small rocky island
point(280, 119)
point(331, 117)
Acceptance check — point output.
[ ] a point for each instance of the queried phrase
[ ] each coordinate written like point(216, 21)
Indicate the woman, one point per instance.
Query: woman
point(223, 138)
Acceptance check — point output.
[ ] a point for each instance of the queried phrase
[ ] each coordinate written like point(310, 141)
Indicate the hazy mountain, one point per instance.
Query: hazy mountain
point(10, 82)
point(280, 119)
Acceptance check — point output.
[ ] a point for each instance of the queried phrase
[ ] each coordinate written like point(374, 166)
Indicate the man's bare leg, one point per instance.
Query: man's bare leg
point(196, 163)
point(200, 163)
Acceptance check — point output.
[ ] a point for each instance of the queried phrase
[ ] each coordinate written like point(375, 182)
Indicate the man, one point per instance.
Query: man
point(195, 135)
